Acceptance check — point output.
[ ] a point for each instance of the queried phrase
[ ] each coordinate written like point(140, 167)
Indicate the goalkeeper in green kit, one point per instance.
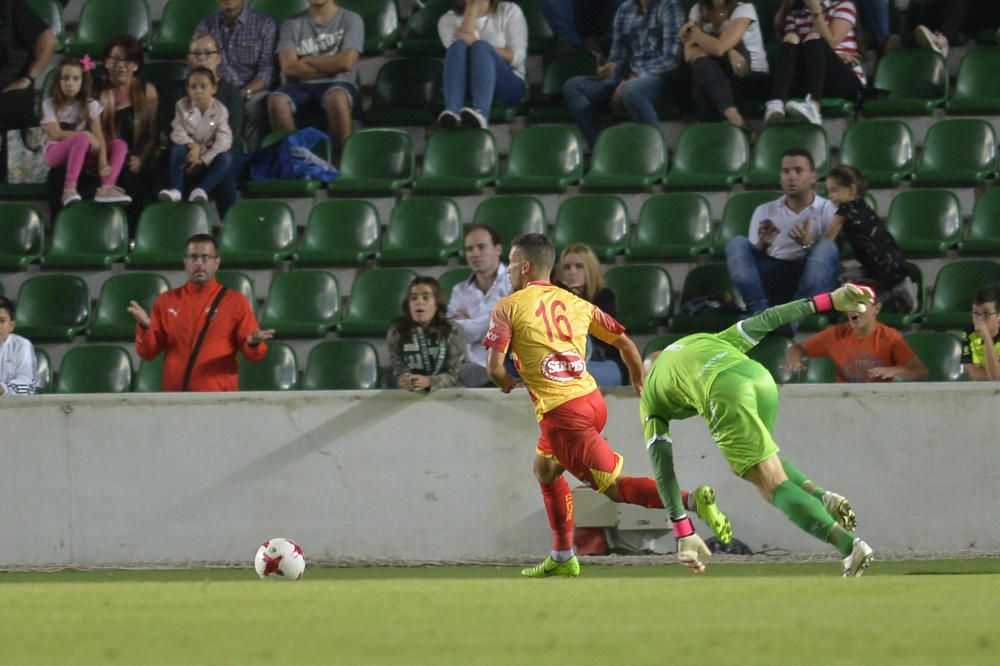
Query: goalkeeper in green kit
point(711, 375)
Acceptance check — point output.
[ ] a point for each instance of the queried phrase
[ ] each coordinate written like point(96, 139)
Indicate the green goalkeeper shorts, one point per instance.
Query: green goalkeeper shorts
point(743, 403)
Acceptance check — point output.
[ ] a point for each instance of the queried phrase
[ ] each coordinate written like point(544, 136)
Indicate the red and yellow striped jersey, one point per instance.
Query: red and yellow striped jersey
point(547, 328)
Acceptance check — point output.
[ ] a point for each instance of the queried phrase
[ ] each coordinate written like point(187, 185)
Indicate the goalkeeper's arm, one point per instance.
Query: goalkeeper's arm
point(848, 298)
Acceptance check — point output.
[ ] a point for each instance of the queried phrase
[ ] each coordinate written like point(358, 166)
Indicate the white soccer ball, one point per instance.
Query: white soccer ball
point(279, 559)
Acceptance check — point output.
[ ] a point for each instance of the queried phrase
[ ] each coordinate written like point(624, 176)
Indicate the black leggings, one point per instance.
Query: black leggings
point(812, 68)
point(716, 88)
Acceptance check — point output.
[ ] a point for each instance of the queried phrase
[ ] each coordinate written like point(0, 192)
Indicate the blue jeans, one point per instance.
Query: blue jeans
point(875, 18)
point(763, 280)
point(479, 72)
point(217, 177)
point(588, 96)
point(561, 17)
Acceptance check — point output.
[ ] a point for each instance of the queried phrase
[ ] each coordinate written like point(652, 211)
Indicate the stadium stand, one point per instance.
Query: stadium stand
point(341, 365)
point(598, 220)
point(277, 371)
point(100, 20)
point(257, 234)
point(422, 230)
point(462, 161)
point(95, 369)
point(340, 232)
point(302, 303)
point(643, 296)
point(940, 352)
point(112, 321)
point(710, 156)
point(627, 158)
point(672, 227)
point(22, 235)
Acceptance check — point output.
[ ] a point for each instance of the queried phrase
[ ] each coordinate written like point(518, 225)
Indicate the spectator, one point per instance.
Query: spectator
point(425, 348)
point(863, 350)
point(561, 18)
point(472, 301)
point(201, 141)
point(246, 41)
point(71, 118)
point(937, 23)
point(819, 57)
point(872, 244)
point(17, 356)
point(199, 327)
point(487, 44)
point(723, 43)
point(579, 272)
point(793, 254)
point(318, 51)
point(874, 16)
point(26, 46)
point(981, 346)
point(644, 61)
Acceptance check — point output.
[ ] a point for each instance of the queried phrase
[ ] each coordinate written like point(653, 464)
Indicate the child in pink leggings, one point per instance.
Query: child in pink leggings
point(71, 119)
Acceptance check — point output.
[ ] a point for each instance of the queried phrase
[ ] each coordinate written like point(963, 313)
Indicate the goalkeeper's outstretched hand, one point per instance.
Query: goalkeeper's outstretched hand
point(691, 550)
point(852, 297)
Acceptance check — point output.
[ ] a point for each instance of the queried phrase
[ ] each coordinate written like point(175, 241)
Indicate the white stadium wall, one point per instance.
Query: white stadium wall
point(94, 480)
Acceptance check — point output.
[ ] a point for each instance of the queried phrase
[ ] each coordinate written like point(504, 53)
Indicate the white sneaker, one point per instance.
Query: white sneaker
point(198, 195)
point(838, 507)
point(448, 119)
point(774, 112)
point(806, 110)
point(171, 196)
point(929, 39)
point(472, 118)
point(861, 556)
point(112, 194)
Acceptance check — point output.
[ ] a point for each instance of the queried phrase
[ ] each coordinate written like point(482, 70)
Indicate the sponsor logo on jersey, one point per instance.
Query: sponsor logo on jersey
point(564, 366)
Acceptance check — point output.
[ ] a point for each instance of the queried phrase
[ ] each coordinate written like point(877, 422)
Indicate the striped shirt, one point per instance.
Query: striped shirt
point(647, 44)
point(800, 22)
point(247, 47)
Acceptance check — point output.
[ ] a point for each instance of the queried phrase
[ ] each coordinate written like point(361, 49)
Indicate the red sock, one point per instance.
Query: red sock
point(642, 491)
point(559, 507)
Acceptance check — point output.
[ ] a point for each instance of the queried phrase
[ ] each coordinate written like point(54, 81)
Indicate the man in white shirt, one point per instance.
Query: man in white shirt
point(17, 356)
point(472, 300)
point(793, 254)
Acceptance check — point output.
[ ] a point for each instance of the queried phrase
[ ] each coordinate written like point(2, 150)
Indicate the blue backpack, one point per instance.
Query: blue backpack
point(293, 159)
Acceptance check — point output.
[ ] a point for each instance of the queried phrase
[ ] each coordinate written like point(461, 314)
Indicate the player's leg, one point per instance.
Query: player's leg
point(558, 499)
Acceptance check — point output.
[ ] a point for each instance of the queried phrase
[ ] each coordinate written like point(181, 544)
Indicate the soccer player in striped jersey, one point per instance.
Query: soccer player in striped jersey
point(547, 328)
point(711, 375)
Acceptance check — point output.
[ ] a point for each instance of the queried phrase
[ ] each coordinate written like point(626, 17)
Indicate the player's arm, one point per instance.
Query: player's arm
point(496, 341)
point(497, 372)
point(632, 359)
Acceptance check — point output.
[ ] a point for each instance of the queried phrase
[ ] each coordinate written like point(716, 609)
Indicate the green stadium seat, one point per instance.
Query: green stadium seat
point(52, 308)
point(941, 353)
point(420, 36)
point(598, 220)
point(287, 188)
point(642, 296)
point(707, 282)
point(951, 299)
point(50, 11)
point(629, 157)
point(710, 156)
point(376, 162)
point(258, 234)
point(177, 25)
point(540, 37)
point(163, 231)
point(43, 371)
point(100, 20)
point(22, 236)
point(917, 81)
point(95, 369)
point(88, 235)
point(925, 223)
point(548, 106)
point(302, 303)
point(376, 300)
point(238, 281)
point(975, 88)
point(458, 161)
point(765, 166)
point(659, 343)
point(881, 149)
point(512, 215)
point(736, 217)
point(381, 19)
point(407, 92)
point(149, 376)
point(277, 371)
point(672, 227)
point(112, 320)
point(542, 158)
point(341, 365)
point(422, 230)
point(279, 10)
point(340, 232)
point(890, 317)
point(450, 278)
point(771, 352)
point(958, 152)
point(819, 370)
point(983, 233)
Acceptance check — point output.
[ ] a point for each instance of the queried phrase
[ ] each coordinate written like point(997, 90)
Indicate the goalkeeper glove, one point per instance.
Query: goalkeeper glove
point(690, 548)
point(848, 298)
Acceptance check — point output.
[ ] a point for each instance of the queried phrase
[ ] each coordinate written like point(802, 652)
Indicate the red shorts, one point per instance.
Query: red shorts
point(571, 435)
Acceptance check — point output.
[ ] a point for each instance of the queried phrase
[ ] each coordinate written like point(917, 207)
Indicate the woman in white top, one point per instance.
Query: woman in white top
point(486, 42)
point(723, 44)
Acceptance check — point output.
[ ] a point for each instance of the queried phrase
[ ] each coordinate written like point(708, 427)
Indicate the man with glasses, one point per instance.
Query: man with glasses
point(980, 346)
point(200, 327)
point(246, 42)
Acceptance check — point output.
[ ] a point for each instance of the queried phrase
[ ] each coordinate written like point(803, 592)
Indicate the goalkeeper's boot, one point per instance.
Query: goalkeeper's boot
point(549, 567)
point(859, 559)
point(838, 507)
point(708, 511)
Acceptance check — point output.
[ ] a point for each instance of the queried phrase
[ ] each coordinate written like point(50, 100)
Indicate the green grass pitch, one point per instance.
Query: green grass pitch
point(924, 612)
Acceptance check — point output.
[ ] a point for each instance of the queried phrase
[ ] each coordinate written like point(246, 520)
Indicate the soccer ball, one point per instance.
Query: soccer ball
point(279, 559)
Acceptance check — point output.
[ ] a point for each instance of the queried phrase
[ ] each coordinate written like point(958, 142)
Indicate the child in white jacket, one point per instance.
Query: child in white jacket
point(17, 356)
point(202, 138)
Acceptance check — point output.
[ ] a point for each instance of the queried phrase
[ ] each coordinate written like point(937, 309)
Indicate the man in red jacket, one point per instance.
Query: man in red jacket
point(178, 319)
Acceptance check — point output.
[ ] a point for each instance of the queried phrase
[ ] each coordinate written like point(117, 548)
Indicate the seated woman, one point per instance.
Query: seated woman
point(487, 43)
point(724, 45)
point(579, 271)
point(426, 350)
point(819, 57)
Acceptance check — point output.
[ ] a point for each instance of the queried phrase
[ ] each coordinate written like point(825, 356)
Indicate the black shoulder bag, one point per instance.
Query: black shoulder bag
point(201, 338)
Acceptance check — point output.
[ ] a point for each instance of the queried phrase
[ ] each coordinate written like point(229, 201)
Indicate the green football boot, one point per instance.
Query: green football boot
point(549, 567)
point(708, 511)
